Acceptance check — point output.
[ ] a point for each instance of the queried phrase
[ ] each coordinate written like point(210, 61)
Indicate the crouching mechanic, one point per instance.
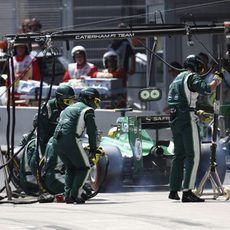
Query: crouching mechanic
point(67, 143)
point(50, 113)
point(53, 171)
point(182, 98)
point(48, 120)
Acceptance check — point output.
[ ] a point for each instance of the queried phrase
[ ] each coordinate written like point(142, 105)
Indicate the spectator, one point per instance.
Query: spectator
point(111, 67)
point(3, 64)
point(112, 70)
point(81, 67)
point(35, 25)
point(25, 67)
point(125, 52)
point(30, 25)
point(25, 28)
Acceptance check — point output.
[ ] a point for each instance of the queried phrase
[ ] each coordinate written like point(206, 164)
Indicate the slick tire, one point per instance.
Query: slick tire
point(106, 175)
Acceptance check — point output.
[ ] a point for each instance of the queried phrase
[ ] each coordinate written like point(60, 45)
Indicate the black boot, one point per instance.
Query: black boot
point(84, 197)
point(70, 200)
point(189, 196)
point(80, 200)
point(174, 195)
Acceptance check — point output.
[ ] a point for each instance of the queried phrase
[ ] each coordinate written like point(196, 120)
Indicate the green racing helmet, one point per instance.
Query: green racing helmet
point(194, 62)
point(65, 96)
point(90, 97)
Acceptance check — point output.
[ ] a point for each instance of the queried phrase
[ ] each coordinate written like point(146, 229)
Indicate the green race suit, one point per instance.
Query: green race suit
point(28, 166)
point(67, 144)
point(48, 121)
point(53, 170)
point(28, 181)
point(182, 97)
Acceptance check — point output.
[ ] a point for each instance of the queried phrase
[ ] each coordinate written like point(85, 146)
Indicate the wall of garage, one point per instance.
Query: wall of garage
point(24, 117)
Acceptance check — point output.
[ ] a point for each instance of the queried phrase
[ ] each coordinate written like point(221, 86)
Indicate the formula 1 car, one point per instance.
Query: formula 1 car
point(135, 155)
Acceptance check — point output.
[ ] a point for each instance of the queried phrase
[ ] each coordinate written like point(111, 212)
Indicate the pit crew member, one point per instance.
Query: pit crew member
point(48, 120)
point(182, 97)
point(67, 143)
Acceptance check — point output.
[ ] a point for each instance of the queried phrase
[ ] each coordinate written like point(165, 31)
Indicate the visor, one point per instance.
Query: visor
point(97, 101)
point(69, 101)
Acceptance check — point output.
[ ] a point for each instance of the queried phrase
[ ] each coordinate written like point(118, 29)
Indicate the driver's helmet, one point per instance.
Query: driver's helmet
point(112, 57)
point(112, 132)
point(90, 97)
point(195, 63)
point(78, 50)
point(65, 96)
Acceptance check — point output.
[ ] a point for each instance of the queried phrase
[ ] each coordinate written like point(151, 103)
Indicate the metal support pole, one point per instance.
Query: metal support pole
point(212, 173)
point(7, 186)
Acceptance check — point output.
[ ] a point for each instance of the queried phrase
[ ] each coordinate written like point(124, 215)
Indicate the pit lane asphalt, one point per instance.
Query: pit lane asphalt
point(118, 211)
point(128, 210)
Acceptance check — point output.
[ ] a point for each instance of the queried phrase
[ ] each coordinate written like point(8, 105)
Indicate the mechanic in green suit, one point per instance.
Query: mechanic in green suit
point(67, 143)
point(53, 170)
point(49, 116)
point(182, 97)
point(27, 180)
point(50, 113)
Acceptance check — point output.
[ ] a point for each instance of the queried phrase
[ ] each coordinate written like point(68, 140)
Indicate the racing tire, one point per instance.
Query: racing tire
point(106, 175)
point(205, 163)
